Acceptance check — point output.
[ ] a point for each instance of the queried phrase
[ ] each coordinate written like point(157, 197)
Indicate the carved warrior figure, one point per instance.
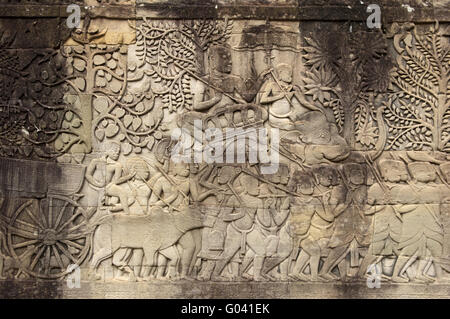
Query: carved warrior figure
point(240, 212)
point(351, 229)
point(222, 87)
point(324, 200)
point(387, 221)
point(422, 230)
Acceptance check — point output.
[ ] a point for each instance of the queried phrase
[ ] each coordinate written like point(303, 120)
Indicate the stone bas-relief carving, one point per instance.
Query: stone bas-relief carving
point(362, 181)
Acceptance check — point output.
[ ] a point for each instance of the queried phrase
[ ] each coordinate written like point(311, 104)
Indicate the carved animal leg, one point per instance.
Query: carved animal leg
point(172, 255)
point(188, 248)
point(98, 257)
point(197, 235)
point(162, 266)
point(136, 263)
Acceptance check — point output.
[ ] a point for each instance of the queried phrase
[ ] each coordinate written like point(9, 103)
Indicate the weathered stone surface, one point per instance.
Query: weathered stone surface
point(118, 164)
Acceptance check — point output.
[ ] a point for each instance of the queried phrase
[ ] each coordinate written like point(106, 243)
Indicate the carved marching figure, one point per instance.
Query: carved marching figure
point(387, 221)
point(422, 231)
point(213, 239)
point(352, 227)
point(314, 220)
point(283, 226)
point(241, 211)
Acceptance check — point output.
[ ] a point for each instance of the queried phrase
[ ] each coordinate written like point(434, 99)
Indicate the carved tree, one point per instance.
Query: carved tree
point(174, 53)
point(419, 118)
point(33, 107)
point(342, 69)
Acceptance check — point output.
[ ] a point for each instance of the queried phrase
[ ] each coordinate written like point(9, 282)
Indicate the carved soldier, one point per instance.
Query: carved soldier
point(215, 227)
point(241, 229)
point(352, 227)
point(279, 94)
point(284, 227)
point(173, 191)
point(325, 199)
point(387, 221)
point(422, 230)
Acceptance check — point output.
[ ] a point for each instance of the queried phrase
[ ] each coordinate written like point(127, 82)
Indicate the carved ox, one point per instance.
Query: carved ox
point(155, 233)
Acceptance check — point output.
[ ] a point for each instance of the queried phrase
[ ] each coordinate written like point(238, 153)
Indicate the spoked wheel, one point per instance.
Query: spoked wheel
point(47, 236)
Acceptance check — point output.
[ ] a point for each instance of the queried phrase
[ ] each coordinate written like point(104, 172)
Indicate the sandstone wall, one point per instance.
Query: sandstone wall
point(353, 121)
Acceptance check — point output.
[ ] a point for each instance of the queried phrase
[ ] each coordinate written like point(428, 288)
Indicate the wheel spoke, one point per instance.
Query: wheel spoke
point(74, 236)
point(58, 258)
point(76, 245)
point(27, 224)
point(60, 215)
point(36, 258)
point(22, 233)
point(75, 215)
point(50, 212)
point(42, 216)
point(33, 218)
point(25, 243)
point(48, 256)
point(71, 230)
point(66, 253)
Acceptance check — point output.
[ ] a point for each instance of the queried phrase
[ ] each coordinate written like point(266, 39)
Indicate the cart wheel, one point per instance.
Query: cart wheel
point(47, 236)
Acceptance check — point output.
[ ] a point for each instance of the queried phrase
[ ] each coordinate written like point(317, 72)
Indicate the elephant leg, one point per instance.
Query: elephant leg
point(187, 243)
point(197, 235)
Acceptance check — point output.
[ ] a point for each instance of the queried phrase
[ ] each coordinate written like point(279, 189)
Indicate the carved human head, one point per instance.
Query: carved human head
point(221, 58)
point(225, 174)
point(284, 72)
point(355, 173)
point(139, 167)
point(113, 150)
point(326, 175)
point(181, 169)
point(250, 184)
point(305, 183)
point(422, 172)
point(281, 176)
point(393, 171)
